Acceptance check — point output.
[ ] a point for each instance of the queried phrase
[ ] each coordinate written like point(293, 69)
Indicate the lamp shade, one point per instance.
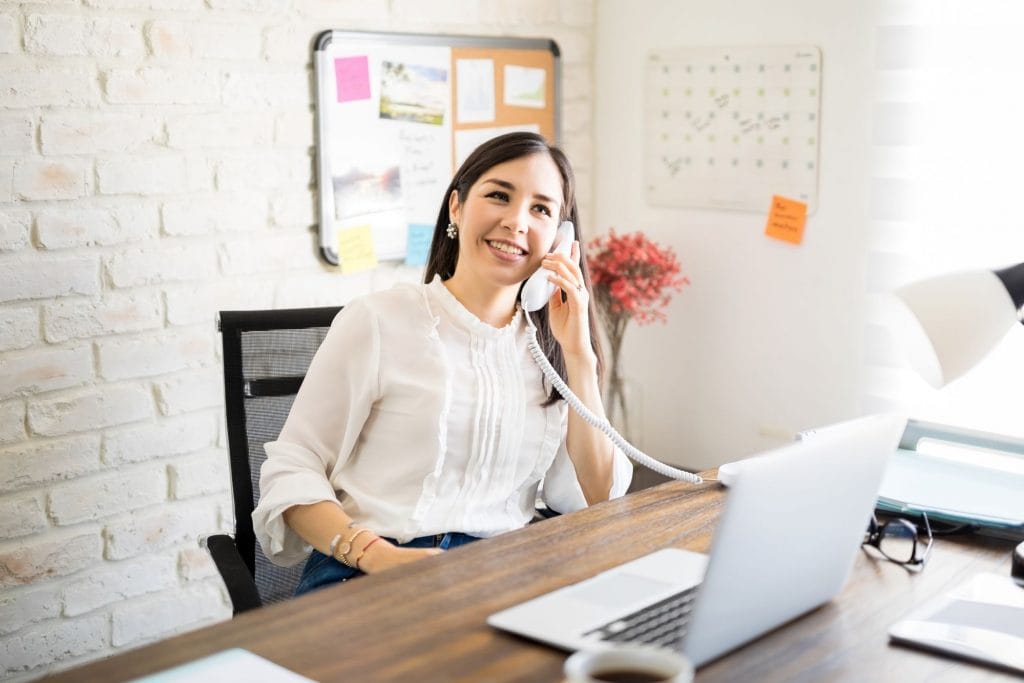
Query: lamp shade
point(963, 317)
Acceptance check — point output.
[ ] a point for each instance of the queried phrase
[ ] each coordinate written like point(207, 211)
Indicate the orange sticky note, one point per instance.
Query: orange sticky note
point(786, 220)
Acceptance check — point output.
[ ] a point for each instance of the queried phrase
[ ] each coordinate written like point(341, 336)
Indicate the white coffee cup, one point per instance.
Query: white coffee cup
point(628, 663)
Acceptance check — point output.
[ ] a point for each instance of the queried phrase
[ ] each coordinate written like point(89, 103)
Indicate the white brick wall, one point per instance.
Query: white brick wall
point(40, 645)
point(68, 86)
point(156, 160)
point(48, 555)
point(173, 436)
point(12, 423)
point(28, 606)
point(91, 498)
point(35, 372)
point(49, 179)
point(159, 527)
point(154, 355)
point(189, 391)
point(9, 34)
point(64, 227)
point(149, 175)
point(56, 35)
point(14, 229)
point(82, 132)
point(43, 461)
point(146, 619)
point(22, 515)
point(20, 326)
point(155, 85)
point(16, 133)
point(6, 179)
point(118, 581)
point(45, 278)
point(119, 312)
point(94, 409)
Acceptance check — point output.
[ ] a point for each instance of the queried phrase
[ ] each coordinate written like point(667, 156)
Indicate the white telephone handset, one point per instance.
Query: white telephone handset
point(535, 295)
point(538, 289)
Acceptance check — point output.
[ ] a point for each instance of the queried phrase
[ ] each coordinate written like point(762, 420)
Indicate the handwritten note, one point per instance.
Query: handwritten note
point(786, 220)
point(352, 76)
point(417, 245)
point(355, 248)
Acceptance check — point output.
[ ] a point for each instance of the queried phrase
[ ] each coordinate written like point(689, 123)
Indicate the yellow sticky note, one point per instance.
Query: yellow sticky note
point(355, 249)
point(786, 220)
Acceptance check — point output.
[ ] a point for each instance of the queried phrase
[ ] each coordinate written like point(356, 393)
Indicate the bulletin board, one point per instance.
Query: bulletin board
point(729, 127)
point(397, 113)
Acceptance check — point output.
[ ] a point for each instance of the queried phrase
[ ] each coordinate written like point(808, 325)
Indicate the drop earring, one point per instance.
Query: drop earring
point(452, 231)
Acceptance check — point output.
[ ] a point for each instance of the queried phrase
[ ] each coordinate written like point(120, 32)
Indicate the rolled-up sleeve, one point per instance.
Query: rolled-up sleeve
point(323, 427)
point(562, 491)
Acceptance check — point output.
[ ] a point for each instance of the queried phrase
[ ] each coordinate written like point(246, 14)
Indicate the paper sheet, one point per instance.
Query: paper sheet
point(230, 666)
point(475, 90)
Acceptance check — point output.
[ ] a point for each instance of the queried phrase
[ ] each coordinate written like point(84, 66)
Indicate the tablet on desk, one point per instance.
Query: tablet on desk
point(982, 620)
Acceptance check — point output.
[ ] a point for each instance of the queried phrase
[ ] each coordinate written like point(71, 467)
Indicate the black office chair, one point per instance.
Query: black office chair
point(266, 355)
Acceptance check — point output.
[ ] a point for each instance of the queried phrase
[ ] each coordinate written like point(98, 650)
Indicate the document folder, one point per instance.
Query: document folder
point(959, 476)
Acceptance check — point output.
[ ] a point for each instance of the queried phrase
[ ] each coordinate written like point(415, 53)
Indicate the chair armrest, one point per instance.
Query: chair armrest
point(240, 583)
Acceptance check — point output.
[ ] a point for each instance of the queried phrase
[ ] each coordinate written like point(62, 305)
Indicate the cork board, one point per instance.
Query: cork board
point(397, 113)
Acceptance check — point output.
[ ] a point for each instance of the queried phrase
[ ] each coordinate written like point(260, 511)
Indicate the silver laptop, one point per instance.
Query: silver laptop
point(793, 522)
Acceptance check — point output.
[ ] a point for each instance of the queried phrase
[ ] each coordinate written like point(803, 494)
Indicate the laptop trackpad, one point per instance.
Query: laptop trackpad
point(617, 590)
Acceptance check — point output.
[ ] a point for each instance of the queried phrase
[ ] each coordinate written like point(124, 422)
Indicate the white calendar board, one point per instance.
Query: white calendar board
point(728, 127)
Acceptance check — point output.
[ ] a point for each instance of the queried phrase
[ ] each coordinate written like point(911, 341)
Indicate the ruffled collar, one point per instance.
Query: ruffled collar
point(459, 313)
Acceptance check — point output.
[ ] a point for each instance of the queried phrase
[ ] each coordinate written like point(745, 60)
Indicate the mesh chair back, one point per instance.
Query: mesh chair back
point(266, 354)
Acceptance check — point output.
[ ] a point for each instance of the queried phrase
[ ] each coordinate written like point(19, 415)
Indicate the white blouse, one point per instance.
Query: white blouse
point(420, 419)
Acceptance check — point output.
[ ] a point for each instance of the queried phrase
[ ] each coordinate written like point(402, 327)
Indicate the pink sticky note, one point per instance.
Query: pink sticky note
point(352, 74)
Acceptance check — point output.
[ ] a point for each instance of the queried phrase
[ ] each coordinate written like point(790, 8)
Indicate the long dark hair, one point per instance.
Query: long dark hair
point(444, 252)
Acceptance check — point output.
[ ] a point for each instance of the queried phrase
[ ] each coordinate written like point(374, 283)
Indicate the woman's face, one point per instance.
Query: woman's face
point(508, 221)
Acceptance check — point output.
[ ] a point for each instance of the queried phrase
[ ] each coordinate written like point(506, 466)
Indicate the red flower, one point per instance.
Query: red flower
point(633, 278)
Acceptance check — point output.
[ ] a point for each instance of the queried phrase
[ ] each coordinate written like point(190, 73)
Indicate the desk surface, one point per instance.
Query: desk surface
point(426, 621)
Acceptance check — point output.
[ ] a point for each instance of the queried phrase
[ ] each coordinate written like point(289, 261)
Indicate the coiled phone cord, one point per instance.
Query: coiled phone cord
point(560, 386)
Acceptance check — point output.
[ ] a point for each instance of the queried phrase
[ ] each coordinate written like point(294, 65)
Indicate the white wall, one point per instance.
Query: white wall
point(768, 339)
point(155, 167)
point(947, 141)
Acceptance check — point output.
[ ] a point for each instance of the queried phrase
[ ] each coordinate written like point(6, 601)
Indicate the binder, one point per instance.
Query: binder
point(958, 476)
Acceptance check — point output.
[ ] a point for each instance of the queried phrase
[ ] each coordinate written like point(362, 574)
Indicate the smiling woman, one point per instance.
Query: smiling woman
point(506, 224)
point(423, 423)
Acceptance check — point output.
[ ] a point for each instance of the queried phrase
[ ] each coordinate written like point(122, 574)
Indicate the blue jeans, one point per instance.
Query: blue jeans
point(321, 571)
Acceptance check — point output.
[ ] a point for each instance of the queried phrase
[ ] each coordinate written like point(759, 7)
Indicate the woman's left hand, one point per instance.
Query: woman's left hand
point(570, 321)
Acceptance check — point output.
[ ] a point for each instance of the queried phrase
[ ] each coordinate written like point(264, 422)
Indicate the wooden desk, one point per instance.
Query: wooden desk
point(426, 621)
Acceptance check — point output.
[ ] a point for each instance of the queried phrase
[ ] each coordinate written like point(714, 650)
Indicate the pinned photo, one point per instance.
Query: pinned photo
point(413, 93)
point(371, 180)
point(524, 86)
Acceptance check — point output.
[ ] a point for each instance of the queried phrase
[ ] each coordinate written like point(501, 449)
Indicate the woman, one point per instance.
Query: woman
point(423, 423)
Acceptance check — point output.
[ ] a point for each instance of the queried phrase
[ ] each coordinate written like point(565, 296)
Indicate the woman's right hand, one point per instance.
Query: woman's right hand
point(384, 555)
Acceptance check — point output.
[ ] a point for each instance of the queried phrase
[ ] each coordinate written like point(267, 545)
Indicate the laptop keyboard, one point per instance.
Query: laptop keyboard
point(662, 623)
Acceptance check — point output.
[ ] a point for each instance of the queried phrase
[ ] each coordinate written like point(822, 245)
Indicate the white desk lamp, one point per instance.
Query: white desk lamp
point(963, 316)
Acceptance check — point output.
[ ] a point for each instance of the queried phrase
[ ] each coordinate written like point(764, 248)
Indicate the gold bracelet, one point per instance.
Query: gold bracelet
point(333, 545)
point(366, 548)
point(346, 547)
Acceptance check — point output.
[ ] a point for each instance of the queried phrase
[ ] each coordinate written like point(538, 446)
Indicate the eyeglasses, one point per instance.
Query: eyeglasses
point(897, 541)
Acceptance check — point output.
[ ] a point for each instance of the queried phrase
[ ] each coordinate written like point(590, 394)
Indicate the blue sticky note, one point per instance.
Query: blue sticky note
point(418, 244)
